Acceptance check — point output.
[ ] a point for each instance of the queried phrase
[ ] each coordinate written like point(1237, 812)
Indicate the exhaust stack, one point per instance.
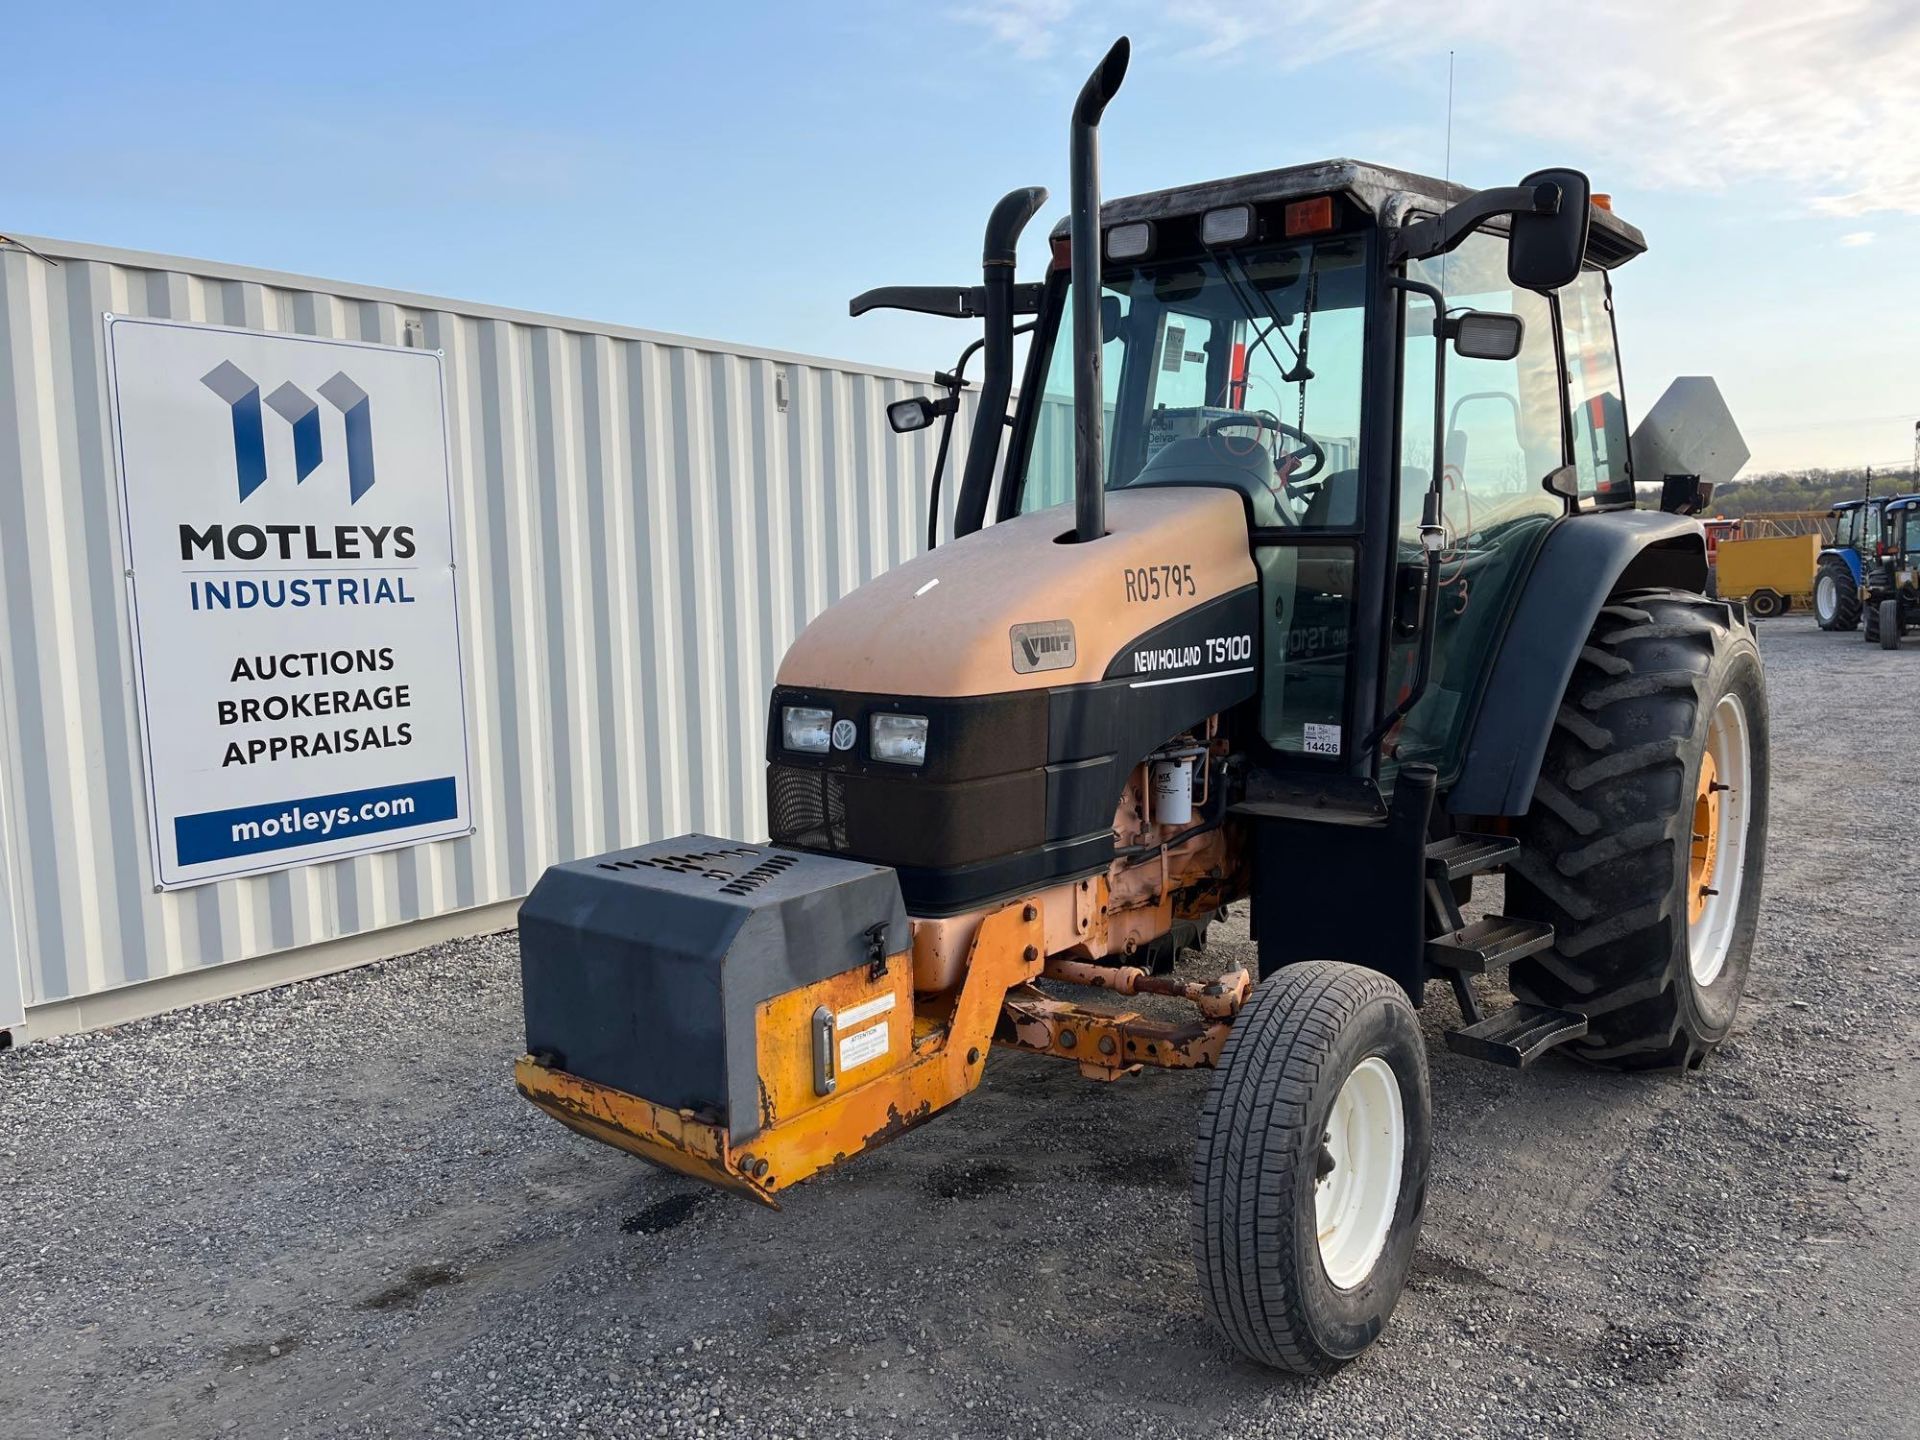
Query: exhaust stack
point(1089, 459)
point(1009, 218)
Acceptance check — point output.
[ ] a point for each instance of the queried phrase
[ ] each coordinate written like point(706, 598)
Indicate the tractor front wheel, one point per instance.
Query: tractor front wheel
point(1889, 626)
point(1836, 599)
point(1311, 1170)
point(1648, 831)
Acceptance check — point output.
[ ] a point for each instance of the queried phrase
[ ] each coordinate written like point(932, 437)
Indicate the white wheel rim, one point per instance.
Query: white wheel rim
point(1354, 1202)
point(1826, 596)
point(1710, 930)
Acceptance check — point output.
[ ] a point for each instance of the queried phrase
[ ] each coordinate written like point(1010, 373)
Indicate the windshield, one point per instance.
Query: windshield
point(1236, 368)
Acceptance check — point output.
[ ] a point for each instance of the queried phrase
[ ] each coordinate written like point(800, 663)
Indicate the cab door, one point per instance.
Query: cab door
point(1504, 436)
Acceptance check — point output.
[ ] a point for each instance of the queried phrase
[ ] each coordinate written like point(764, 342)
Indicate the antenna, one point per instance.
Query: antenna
point(1447, 174)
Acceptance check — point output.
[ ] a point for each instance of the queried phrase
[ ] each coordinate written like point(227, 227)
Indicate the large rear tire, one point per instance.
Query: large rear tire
point(1310, 1174)
point(1836, 599)
point(1647, 835)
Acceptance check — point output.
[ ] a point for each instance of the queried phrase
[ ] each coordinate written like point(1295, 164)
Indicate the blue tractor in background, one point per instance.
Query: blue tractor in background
point(1842, 573)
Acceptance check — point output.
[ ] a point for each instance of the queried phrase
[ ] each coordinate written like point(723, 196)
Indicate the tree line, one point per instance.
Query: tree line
point(1778, 490)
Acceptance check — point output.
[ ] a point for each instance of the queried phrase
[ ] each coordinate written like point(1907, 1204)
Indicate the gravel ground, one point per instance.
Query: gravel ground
point(322, 1211)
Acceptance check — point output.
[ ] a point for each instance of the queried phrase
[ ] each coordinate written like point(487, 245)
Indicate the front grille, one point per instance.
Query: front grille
point(809, 808)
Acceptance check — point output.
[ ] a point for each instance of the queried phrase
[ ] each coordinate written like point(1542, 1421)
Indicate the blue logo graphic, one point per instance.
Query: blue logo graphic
point(302, 414)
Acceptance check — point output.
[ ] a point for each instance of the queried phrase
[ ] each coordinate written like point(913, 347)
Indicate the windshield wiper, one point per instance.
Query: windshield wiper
point(1293, 374)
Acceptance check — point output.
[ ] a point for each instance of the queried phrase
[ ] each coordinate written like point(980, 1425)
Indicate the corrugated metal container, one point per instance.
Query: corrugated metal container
point(643, 522)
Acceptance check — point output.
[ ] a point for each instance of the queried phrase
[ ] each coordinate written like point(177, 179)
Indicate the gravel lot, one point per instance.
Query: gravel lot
point(323, 1211)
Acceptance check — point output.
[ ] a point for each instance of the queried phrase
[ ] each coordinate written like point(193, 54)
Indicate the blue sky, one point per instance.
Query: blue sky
point(739, 171)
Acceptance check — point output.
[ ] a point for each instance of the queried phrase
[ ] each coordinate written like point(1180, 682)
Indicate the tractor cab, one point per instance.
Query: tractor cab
point(1275, 335)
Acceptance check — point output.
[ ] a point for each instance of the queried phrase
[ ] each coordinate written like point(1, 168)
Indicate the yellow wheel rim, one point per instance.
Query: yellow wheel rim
point(1706, 839)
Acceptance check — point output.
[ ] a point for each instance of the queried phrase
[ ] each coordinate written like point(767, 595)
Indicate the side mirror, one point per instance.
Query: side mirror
point(1484, 335)
point(1111, 318)
point(1564, 482)
point(1545, 248)
point(918, 412)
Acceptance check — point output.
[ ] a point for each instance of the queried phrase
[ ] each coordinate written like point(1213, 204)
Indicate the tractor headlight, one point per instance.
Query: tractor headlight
point(898, 739)
point(804, 727)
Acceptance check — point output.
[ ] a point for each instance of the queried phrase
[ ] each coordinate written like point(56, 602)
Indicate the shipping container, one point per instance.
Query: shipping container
point(641, 524)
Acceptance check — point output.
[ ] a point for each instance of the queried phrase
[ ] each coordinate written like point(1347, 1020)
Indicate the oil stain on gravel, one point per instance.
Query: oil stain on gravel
point(663, 1215)
point(970, 1182)
point(415, 1283)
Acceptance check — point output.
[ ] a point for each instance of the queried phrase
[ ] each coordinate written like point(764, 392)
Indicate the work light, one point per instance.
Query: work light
point(898, 739)
point(805, 727)
point(1230, 225)
point(1129, 242)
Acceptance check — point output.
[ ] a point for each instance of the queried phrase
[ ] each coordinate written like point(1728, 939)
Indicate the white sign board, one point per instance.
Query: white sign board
point(289, 541)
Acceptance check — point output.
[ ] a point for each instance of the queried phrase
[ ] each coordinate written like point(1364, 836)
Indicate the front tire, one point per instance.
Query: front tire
point(1310, 1175)
point(1889, 626)
point(1766, 604)
point(1836, 599)
point(1647, 835)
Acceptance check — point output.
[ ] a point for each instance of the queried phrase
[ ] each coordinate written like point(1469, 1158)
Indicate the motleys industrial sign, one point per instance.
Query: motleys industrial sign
point(290, 573)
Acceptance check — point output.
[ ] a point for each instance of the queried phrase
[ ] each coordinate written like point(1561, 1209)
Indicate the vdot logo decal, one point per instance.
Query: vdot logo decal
point(297, 408)
point(1042, 645)
point(296, 625)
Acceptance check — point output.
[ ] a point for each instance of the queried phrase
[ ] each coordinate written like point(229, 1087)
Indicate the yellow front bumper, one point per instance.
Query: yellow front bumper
point(939, 1057)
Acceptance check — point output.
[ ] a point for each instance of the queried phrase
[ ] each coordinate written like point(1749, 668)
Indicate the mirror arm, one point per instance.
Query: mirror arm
point(1425, 239)
point(952, 302)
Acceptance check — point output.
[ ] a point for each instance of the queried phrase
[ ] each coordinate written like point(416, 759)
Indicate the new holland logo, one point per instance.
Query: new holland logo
point(1042, 645)
point(302, 414)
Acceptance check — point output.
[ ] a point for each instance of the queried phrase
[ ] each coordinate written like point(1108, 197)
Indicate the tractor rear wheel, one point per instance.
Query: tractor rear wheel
point(1648, 830)
point(1311, 1170)
point(1889, 626)
point(1836, 599)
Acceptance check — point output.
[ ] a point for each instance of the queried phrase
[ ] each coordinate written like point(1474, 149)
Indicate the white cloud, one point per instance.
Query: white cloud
point(1030, 27)
point(1821, 98)
point(1857, 237)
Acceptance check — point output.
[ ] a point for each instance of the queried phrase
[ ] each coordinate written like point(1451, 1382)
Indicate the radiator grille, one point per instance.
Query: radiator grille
point(808, 808)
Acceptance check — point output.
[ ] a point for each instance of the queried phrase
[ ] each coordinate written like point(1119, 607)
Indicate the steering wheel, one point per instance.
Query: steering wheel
point(1315, 456)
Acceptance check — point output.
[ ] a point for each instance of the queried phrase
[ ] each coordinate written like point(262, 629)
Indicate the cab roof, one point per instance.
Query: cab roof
point(1388, 195)
point(1903, 501)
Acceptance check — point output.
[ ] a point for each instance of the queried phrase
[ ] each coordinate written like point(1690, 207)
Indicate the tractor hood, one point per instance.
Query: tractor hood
point(1018, 606)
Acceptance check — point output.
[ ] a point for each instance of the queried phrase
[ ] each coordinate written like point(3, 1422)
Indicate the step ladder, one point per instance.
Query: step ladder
point(1521, 1034)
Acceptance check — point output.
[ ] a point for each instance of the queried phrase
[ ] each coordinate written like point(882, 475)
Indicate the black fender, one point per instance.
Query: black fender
point(1584, 560)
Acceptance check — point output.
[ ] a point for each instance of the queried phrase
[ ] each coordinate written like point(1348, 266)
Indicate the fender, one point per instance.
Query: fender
point(1584, 560)
point(1850, 557)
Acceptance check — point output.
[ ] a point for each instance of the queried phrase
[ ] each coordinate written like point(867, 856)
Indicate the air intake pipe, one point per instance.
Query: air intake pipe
point(1009, 218)
point(1089, 461)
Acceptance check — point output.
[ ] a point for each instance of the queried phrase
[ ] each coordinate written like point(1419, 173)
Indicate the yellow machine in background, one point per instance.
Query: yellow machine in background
point(1770, 573)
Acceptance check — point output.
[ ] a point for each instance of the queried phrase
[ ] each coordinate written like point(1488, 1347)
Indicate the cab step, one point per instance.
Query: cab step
point(1487, 944)
point(1459, 856)
point(1517, 1037)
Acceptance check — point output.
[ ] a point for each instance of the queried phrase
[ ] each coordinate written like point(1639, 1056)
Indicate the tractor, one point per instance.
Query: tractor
point(1889, 594)
point(1305, 573)
point(1840, 572)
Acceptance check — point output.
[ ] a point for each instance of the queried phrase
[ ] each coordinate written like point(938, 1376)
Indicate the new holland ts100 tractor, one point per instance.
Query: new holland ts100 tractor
point(1316, 582)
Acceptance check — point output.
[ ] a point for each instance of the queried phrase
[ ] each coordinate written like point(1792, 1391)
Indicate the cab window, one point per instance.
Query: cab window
point(1595, 397)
